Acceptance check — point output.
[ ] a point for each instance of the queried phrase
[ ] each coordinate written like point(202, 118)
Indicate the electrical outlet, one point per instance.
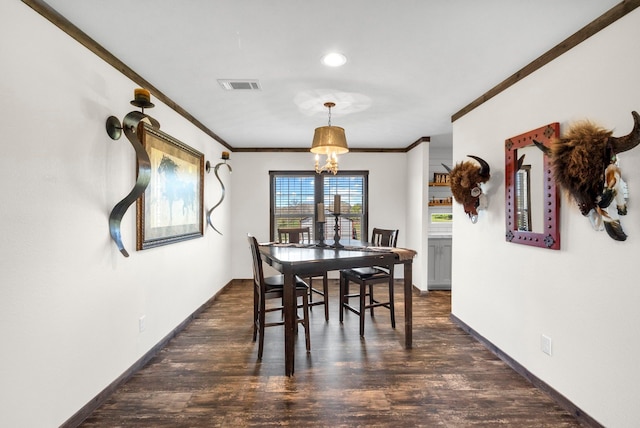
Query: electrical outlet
point(141, 324)
point(545, 344)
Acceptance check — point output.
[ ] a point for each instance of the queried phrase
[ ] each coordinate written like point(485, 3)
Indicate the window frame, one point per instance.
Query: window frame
point(318, 187)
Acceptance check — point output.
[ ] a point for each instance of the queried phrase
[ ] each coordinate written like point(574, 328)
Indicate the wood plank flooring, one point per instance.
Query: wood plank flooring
point(209, 376)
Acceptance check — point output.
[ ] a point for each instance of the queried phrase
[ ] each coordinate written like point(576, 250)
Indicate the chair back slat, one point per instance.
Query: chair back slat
point(384, 237)
point(294, 235)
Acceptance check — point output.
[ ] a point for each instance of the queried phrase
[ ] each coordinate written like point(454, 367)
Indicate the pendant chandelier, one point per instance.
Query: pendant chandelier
point(331, 141)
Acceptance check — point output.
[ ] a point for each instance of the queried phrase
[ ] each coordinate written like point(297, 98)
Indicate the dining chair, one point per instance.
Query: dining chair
point(272, 287)
point(301, 235)
point(367, 277)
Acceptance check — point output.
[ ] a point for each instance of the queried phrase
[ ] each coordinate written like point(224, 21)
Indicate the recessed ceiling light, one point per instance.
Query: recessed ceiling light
point(334, 59)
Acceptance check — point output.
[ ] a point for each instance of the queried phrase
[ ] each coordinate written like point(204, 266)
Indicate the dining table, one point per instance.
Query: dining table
point(299, 259)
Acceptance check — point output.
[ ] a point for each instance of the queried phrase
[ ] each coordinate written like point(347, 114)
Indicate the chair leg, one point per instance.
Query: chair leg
point(325, 290)
point(261, 321)
point(392, 304)
point(305, 320)
point(255, 314)
point(363, 292)
point(371, 299)
point(341, 297)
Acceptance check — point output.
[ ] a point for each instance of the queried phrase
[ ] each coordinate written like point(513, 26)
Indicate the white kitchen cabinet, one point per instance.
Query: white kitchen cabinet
point(439, 264)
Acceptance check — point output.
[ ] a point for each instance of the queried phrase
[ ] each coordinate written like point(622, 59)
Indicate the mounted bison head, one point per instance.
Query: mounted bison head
point(584, 164)
point(465, 180)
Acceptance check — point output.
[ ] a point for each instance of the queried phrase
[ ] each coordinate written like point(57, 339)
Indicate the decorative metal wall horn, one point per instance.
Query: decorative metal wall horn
point(132, 126)
point(225, 158)
point(584, 164)
point(466, 178)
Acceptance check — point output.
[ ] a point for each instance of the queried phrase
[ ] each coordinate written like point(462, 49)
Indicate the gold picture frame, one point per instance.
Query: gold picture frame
point(171, 208)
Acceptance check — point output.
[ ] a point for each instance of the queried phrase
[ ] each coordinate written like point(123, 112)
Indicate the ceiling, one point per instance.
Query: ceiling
point(411, 64)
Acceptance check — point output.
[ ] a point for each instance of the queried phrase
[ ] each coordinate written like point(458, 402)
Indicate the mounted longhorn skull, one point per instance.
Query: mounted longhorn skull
point(465, 180)
point(584, 164)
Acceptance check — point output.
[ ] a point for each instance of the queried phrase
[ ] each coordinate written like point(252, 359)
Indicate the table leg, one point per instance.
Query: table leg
point(290, 303)
point(408, 304)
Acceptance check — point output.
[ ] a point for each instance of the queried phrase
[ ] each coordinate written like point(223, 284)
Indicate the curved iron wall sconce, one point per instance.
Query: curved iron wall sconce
point(132, 127)
point(225, 158)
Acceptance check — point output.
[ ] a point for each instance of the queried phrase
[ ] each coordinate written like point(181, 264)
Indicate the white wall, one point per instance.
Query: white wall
point(417, 212)
point(69, 301)
point(585, 296)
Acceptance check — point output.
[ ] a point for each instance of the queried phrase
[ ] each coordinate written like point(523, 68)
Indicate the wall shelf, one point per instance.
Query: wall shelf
point(441, 195)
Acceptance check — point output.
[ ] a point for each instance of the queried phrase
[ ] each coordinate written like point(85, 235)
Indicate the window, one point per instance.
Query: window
point(295, 196)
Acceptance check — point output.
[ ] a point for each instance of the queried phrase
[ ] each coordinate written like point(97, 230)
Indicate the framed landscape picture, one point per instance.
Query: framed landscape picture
point(171, 208)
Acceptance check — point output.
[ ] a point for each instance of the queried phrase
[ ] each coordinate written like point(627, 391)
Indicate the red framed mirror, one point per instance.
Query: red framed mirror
point(532, 206)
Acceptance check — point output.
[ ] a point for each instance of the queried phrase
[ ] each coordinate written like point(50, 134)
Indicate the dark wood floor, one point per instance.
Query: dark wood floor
point(209, 375)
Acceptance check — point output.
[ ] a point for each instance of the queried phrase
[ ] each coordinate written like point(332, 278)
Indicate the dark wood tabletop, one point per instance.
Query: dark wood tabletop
point(299, 260)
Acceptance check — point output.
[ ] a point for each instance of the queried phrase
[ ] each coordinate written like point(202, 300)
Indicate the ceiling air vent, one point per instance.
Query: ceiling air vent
point(237, 85)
